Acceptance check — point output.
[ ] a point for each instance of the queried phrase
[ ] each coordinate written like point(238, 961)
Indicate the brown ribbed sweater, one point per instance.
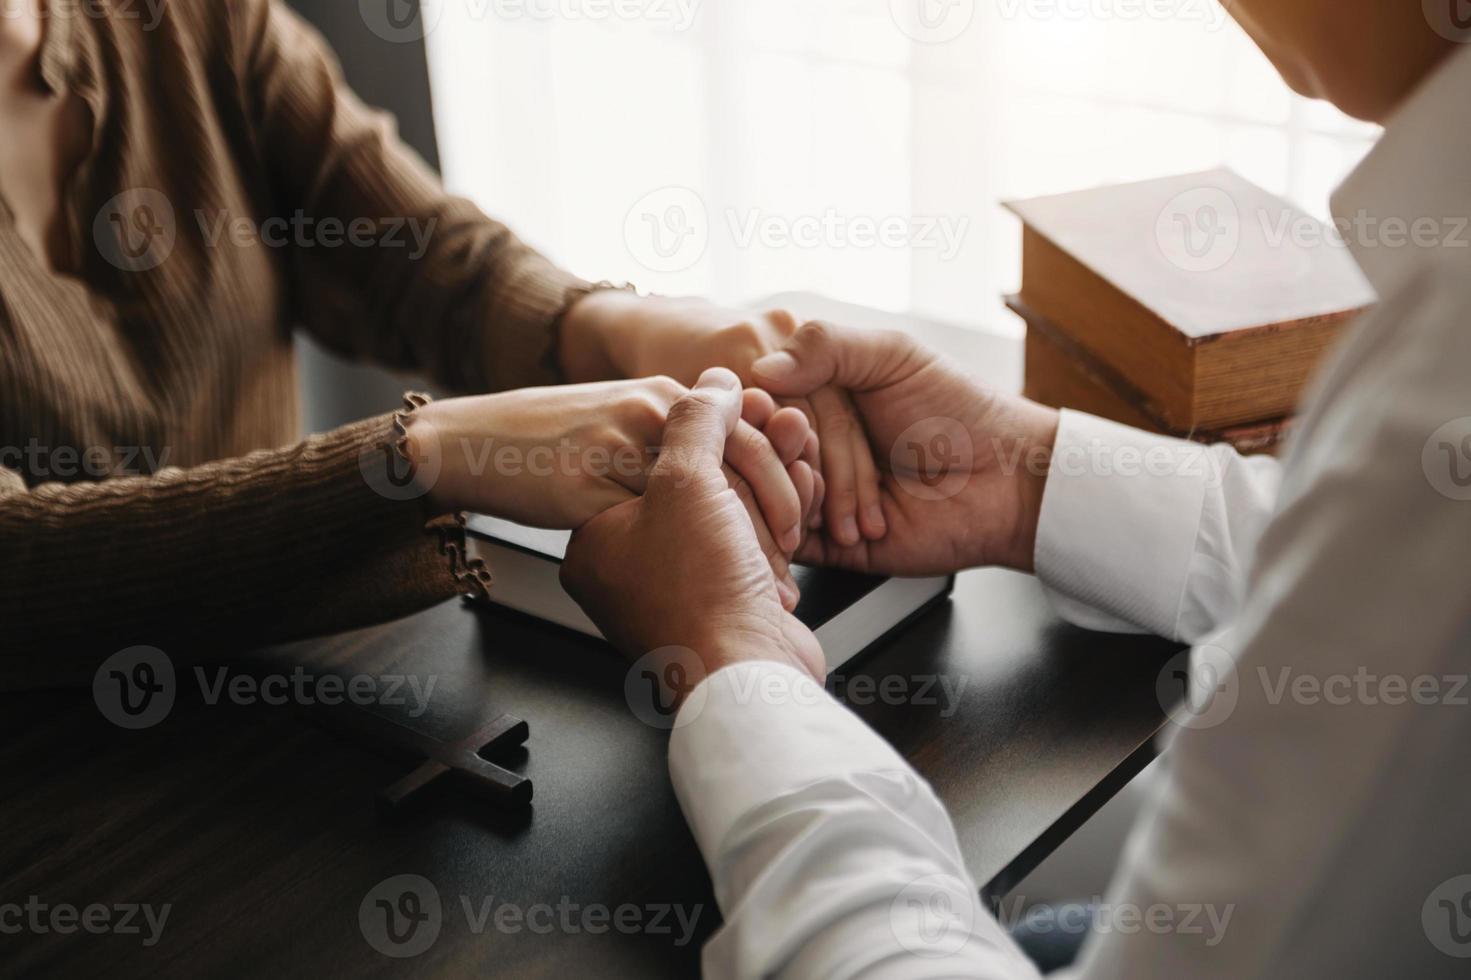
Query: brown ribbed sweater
point(169, 356)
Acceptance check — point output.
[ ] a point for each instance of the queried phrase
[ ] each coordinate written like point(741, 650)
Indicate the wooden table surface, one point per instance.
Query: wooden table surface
point(257, 825)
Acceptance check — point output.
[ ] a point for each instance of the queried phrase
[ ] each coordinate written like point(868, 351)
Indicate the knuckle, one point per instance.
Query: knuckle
point(742, 334)
point(680, 471)
point(606, 434)
point(647, 412)
point(816, 333)
point(783, 321)
point(694, 406)
point(668, 468)
point(756, 447)
point(677, 463)
point(665, 388)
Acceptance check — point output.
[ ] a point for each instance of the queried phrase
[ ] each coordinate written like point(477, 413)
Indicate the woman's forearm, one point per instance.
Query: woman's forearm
point(276, 545)
point(414, 278)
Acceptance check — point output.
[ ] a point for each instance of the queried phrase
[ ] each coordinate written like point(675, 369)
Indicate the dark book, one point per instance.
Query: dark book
point(847, 611)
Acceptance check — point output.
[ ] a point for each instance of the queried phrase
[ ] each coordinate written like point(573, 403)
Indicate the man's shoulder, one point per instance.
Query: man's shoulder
point(1423, 319)
point(1397, 377)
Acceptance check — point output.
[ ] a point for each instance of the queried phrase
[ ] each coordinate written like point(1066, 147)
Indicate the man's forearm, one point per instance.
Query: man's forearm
point(830, 856)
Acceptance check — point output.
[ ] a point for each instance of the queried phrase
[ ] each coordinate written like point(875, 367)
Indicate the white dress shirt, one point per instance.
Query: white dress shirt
point(1313, 820)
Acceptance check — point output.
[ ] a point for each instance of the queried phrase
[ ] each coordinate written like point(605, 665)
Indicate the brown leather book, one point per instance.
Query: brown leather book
point(1061, 374)
point(1211, 298)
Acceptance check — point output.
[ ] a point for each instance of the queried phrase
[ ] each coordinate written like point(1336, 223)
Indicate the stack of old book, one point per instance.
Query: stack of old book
point(1196, 306)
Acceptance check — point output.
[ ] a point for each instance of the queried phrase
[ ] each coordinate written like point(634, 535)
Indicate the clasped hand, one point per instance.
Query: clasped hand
point(684, 564)
point(690, 504)
point(559, 457)
point(961, 474)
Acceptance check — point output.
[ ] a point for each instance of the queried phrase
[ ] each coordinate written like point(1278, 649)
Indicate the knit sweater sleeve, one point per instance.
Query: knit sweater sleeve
point(280, 544)
point(413, 278)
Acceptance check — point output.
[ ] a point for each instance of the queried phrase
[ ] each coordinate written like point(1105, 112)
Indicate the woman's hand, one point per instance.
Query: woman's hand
point(614, 334)
point(558, 457)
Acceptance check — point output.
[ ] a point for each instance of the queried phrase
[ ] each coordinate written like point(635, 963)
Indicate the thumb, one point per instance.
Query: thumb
point(823, 354)
point(699, 425)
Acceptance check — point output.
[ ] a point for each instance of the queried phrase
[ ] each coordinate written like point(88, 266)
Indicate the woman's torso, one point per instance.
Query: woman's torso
point(164, 339)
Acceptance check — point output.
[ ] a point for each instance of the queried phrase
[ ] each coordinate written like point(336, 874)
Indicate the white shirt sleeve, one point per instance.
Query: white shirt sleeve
point(1141, 531)
point(831, 857)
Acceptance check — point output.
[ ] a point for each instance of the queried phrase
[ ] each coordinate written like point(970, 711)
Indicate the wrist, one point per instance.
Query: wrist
point(1039, 428)
point(792, 645)
point(680, 669)
point(448, 444)
point(419, 444)
point(677, 672)
point(728, 654)
point(592, 329)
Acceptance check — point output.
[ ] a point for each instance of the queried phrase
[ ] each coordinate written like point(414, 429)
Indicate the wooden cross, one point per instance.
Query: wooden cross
point(460, 764)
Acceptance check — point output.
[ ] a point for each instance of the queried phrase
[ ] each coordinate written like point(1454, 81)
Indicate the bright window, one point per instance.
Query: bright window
point(739, 148)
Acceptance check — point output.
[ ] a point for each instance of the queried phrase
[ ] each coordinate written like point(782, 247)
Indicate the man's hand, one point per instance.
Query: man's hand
point(682, 565)
point(962, 467)
point(615, 334)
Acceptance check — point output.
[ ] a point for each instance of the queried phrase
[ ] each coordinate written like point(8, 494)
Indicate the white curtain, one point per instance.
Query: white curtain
point(859, 148)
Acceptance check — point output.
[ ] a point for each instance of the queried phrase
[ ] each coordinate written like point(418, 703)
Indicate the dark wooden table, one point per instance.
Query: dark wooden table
point(257, 823)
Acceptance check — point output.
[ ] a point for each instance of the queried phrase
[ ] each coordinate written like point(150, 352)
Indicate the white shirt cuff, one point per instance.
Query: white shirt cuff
point(1119, 523)
point(756, 731)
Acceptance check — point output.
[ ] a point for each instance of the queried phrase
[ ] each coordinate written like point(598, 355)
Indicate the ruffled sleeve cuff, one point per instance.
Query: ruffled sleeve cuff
point(471, 574)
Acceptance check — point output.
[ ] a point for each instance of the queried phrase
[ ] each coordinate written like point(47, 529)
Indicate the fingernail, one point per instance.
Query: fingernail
point(848, 531)
point(792, 538)
point(718, 377)
point(816, 521)
point(776, 366)
point(875, 515)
